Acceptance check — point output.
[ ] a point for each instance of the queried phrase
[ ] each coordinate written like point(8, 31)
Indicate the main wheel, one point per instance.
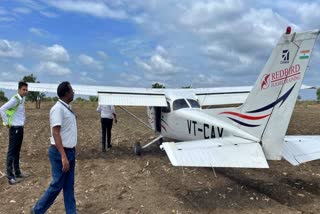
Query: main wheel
point(137, 149)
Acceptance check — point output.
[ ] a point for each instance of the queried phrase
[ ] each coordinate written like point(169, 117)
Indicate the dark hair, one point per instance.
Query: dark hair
point(63, 88)
point(21, 84)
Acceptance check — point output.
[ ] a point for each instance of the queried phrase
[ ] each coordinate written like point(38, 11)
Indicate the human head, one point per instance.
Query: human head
point(65, 92)
point(22, 88)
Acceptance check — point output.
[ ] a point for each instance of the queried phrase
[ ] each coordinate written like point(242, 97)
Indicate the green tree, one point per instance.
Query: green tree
point(47, 99)
point(188, 86)
point(32, 96)
point(3, 98)
point(158, 85)
point(80, 99)
point(299, 97)
point(55, 99)
point(318, 94)
point(93, 98)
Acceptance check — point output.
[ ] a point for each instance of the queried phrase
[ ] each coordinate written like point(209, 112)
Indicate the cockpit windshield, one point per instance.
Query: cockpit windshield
point(179, 104)
point(193, 103)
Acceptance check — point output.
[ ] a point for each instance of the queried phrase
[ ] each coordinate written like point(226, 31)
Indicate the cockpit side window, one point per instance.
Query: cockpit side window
point(166, 109)
point(179, 104)
point(194, 103)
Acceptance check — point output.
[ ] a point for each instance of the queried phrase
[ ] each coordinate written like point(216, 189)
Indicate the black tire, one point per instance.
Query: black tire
point(160, 141)
point(137, 149)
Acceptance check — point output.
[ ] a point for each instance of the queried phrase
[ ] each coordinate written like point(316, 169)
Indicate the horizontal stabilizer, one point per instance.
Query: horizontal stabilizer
point(300, 149)
point(226, 152)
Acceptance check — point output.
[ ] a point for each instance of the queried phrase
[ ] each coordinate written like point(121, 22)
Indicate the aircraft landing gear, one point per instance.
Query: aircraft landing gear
point(137, 149)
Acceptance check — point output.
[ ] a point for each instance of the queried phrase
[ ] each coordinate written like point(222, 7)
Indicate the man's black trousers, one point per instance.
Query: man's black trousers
point(13, 156)
point(106, 126)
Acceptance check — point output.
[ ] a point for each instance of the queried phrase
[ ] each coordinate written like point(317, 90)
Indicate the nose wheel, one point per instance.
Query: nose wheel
point(138, 148)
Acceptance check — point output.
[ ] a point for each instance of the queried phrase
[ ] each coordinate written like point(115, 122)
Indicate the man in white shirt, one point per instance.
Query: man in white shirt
point(13, 116)
point(63, 141)
point(107, 113)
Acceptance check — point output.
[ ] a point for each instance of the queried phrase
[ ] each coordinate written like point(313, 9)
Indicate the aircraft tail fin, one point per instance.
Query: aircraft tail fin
point(268, 108)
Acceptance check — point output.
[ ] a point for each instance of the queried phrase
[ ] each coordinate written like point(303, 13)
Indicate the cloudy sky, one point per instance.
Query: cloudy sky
point(138, 42)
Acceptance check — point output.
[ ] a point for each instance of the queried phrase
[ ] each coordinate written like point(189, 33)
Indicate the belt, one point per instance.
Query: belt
point(65, 148)
point(16, 127)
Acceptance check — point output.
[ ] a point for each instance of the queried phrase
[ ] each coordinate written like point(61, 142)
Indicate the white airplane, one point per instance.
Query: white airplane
point(245, 136)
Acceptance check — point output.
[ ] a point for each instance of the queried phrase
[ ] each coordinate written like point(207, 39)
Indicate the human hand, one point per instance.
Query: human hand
point(65, 164)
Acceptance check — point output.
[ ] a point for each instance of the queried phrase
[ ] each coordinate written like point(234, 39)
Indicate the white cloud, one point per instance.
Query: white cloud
point(56, 53)
point(309, 13)
point(201, 12)
point(40, 32)
point(10, 49)
point(161, 64)
point(102, 54)
point(158, 67)
point(20, 68)
point(33, 4)
point(3, 11)
point(84, 79)
point(207, 80)
point(90, 62)
point(161, 50)
point(142, 64)
point(22, 10)
point(96, 8)
point(6, 75)
point(53, 69)
point(129, 79)
point(49, 14)
point(6, 19)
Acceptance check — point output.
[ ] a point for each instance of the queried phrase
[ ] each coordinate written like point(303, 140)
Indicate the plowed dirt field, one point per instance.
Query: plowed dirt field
point(120, 182)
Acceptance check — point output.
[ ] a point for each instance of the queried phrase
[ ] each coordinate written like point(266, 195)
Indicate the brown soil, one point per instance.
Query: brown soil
point(120, 182)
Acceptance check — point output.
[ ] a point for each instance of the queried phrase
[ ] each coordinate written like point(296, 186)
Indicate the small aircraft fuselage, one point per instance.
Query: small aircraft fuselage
point(184, 120)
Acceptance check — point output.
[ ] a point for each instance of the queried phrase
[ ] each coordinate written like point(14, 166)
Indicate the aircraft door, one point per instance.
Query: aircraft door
point(154, 118)
point(158, 118)
point(151, 117)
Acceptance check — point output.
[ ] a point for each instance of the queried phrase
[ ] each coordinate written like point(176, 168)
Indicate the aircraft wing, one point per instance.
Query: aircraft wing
point(298, 149)
point(130, 96)
point(226, 152)
point(108, 95)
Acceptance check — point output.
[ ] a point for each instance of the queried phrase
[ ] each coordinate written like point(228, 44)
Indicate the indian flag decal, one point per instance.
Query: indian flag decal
point(304, 54)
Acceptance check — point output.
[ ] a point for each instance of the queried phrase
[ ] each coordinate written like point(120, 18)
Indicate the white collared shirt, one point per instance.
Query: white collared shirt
point(19, 116)
point(106, 111)
point(62, 115)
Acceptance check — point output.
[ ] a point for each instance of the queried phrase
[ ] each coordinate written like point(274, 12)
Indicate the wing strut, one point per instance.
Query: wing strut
point(134, 116)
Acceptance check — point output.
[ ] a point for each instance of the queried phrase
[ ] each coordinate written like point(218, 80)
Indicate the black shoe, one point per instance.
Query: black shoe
point(22, 175)
point(13, 181)
point(109, 146)
point(104, 150)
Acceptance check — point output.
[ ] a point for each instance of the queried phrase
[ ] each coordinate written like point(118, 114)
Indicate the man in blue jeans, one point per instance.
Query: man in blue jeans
point(61, 153)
